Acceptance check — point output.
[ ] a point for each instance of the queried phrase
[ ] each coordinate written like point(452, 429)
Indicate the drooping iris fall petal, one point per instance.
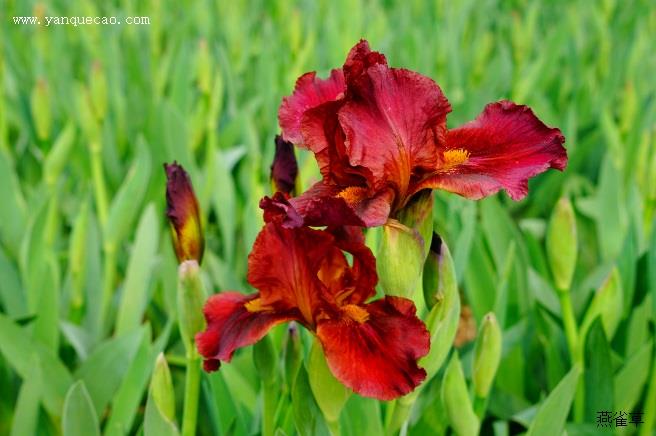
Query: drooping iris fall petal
point(234, 320)
point(183, 214)
point(284, 168)
point(373, 349)
point(502, 148)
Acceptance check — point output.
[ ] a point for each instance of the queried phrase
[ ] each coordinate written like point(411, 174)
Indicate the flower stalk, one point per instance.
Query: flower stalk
point(188, 242)
point(190, 303)
point(191, 394)
point(562, 247)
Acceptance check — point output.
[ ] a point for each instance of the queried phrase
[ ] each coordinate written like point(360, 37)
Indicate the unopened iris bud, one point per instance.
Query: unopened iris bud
point(284, 168)
point(292, 354)
point(161, 388)
point(607, 303)
point(41, 113)
point(404, 246)
point(487, 355)
point(58, 155)
point(456, 400)
point(418, 215)
point(441, 292)
point(400, 259)
point(562, 244)
point(98, 90)
point(439, 272)
point(160, 406)
point(183, 213)
point(204, 67)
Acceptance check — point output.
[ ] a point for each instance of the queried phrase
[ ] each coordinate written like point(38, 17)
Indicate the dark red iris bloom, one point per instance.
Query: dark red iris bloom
point(379, 135)
point(302, 274)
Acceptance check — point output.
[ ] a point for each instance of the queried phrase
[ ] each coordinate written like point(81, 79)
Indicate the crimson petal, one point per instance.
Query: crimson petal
point(377, 357)
point(362, 276)
point(330, 205)
point(283, 266)
point(230, 325)
point(309, 93)
point(505, 146)
point(393, 124)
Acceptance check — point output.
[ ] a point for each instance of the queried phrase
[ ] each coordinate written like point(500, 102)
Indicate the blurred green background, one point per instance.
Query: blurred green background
point(89, 113)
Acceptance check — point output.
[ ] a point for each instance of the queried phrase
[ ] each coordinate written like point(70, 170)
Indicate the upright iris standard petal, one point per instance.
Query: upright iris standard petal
point(303, 274)
point(183, 213)
point(373, 349)
point(309, 93)
point(284, 168)
point(502, 148)
point(380, 136)
point(393, 124)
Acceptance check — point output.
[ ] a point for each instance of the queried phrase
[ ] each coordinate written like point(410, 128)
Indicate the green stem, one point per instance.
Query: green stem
point(333, 427)
point(269, 409)
point(100, 189)
point(109, 273)
point(570, 324)
point(192, 389)
point(398, 416)
point(575, 349)
point(650, 405)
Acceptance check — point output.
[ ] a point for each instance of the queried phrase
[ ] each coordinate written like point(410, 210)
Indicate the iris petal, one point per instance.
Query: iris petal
point(376, 354)
point(231, 325)
point(310, 92)
point(505, 146)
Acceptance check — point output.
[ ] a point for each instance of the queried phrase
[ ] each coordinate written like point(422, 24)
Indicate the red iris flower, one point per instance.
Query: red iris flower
point(379, 135)
point(302, 274)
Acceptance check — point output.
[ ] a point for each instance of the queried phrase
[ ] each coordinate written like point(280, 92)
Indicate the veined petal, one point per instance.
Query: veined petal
point(362, 276)
point(502, 148)
point(331, 205)
point(323, 135)
point(283, 266)
point(394, 125)
point(234, 320)
point(277, 208)
point(359, 59)
point(183, 214)
point(309, 93)
point(373, 348)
